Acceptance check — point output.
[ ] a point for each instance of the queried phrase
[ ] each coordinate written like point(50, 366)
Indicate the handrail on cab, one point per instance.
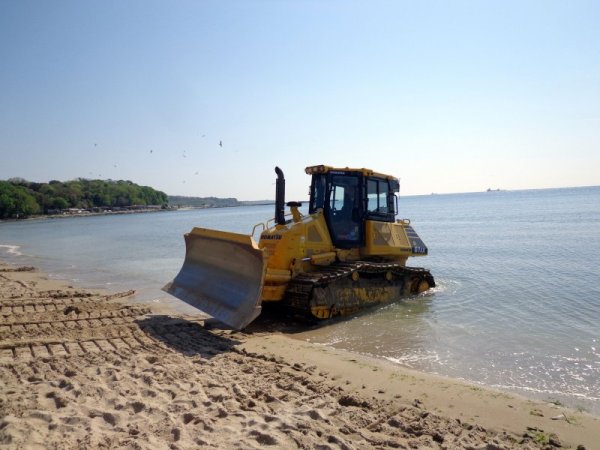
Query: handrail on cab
point(272, 220)
point(260, 224)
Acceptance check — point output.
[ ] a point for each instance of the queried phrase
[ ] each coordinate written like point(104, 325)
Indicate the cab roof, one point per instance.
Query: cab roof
point(365, 172)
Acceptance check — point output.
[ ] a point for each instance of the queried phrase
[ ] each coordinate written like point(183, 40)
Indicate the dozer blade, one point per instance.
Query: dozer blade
point(222, 275)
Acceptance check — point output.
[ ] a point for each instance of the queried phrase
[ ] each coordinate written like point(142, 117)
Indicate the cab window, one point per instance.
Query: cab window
point(340, 194)
point(318, 191)
point(343, 210)
point(377, 196)
point(380, 200)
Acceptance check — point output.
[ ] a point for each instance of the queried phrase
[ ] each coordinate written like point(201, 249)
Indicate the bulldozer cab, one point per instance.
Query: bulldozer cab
point(348, 198)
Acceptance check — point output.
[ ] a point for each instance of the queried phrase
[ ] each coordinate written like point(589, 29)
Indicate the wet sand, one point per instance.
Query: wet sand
point(85, 369)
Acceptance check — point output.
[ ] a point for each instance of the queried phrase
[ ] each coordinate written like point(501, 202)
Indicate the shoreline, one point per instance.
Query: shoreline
point(81, 368)
point(115, 213)
point(85, 214)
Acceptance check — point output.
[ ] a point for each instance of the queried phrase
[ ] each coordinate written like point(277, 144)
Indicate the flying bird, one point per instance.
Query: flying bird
point(220, 143)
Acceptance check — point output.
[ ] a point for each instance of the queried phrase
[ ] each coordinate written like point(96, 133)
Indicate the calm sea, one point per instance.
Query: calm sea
point(517, 305)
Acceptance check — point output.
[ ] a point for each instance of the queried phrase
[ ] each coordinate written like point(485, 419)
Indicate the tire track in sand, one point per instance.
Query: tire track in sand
point(65, 323)
point(61, 323)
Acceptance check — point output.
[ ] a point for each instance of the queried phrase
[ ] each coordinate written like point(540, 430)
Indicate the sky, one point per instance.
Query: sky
point(448, 96)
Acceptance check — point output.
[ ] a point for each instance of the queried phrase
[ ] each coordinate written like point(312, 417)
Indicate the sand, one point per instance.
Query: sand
point(85, 369)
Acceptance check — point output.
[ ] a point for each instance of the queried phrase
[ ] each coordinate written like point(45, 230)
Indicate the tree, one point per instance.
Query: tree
point(16, 201)
point(59, 203)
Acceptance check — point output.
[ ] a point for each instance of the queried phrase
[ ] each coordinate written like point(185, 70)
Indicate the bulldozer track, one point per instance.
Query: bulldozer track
point(45, 326)
point(59, 297)
point(123, 339)
point(41, 311)
point(67, 323)
point(300, 293)
point(81, 321)
point(54, 348)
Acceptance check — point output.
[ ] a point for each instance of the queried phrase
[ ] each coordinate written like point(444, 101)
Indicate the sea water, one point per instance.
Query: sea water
point(516, 307)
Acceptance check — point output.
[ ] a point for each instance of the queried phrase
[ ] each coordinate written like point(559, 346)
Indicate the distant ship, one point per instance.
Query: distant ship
point(492, 190)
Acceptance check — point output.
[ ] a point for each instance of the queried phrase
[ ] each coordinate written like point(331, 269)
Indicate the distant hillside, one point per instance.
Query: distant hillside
point(201, 202)
point(257, 202)
point(20, 198)
point(180, 201)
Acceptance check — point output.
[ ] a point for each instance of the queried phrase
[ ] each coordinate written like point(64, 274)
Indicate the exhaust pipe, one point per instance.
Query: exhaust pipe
point(279, 197)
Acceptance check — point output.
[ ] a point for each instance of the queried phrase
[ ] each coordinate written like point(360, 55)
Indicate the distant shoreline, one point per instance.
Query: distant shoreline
point(84, 214)
point(134, 211)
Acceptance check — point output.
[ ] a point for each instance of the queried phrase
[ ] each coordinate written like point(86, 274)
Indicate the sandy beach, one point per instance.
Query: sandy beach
point(85, 369)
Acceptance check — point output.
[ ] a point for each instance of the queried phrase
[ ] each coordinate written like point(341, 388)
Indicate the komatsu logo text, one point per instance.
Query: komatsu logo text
point(270, 236)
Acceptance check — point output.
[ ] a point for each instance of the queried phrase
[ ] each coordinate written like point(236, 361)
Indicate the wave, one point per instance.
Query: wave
point(11, 249)
point(541, 390)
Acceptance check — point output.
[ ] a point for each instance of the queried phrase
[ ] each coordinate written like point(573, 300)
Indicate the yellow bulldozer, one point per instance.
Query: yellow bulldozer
point(348, 253)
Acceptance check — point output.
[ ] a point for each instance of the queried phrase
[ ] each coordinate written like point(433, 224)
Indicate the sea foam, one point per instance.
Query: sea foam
point(11, 249)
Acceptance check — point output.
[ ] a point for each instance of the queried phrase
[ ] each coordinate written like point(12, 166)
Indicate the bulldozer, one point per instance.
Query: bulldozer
point(347, 254)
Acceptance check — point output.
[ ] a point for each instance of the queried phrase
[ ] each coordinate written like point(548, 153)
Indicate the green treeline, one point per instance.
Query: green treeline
point(21, 198)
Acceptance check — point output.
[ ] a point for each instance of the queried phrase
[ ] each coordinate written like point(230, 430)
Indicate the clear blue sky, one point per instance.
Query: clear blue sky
point(450, 96)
